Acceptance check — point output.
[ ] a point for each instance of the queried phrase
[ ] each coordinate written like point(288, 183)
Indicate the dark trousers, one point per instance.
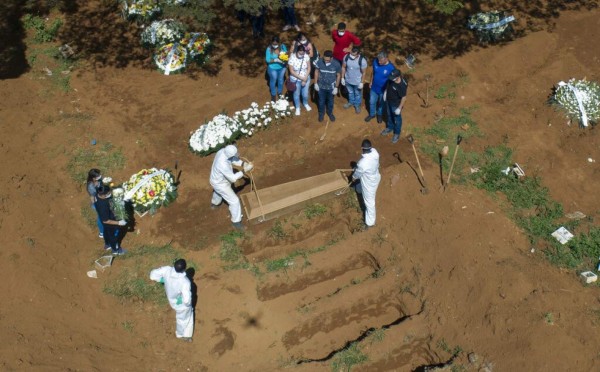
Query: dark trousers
point(111, 236)
point(289, 15)
point(325, 103)
point(394, 122)
point(258, 24)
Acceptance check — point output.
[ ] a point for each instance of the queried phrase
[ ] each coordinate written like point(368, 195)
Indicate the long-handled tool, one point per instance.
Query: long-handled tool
point(443, 153)
point(424, 189)
point(324, 133)
point(458, 141)
point(347, 187)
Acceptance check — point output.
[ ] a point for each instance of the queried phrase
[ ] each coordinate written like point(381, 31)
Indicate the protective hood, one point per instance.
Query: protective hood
point(230, 151)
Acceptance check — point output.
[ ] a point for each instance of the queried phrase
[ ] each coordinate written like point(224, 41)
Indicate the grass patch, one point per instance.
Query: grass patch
point(377, 335)
point(230, 250)
point(351, 356)
point(446, 91)
point(44, 31)
point(277, 231)
point(89, 214)
point(107, 158)
point(133, 282)
point(315, 210)
point(443, 345)
point(549, 318)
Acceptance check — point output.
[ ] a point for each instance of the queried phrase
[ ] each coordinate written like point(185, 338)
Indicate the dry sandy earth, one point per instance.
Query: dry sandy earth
point(454, 266)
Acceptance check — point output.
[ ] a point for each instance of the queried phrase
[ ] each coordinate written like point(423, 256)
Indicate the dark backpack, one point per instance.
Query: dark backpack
point(360, 60)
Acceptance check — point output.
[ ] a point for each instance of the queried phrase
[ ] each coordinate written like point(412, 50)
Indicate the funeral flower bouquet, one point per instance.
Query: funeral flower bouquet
point(162, 32)
point(197, 44)
point(223, 130)
point(150, 189)
point(491, 26)
point(284, 57)
point(171, 58)
point(217, 133)
point(143, 10)
point(118, 204)
point(580, 99)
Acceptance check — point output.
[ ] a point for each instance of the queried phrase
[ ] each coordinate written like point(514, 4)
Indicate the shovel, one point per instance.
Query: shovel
point(424, 190)
point(324, 133)
point(458, 141)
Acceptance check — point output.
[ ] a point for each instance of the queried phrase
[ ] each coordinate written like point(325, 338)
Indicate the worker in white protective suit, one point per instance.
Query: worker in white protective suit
point(221, 178)
point(179, 293)
point(367, 175)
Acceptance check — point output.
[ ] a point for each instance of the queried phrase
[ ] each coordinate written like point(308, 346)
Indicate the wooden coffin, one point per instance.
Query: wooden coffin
point(292, 196)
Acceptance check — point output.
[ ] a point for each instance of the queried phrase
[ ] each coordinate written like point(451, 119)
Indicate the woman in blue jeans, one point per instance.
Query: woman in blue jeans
point(299, 68)
point(94, 180)
point(275, 67)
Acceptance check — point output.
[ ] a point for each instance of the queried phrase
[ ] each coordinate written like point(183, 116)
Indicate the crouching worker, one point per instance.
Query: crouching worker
point(179, 293)
point(368, 177)
point(221, 178)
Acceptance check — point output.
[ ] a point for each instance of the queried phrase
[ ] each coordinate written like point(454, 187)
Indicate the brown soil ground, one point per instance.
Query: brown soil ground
point(449, 266)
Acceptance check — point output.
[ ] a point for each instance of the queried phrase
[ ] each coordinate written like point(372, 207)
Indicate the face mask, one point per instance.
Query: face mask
point(98, 178)
point(353, 57)
point(341, 33)
point(303, 42)
point(274, 46)
point(300, 55)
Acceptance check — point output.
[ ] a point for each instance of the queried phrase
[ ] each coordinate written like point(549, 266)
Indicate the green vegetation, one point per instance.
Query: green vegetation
point(106, 158)
point(44, 32)
point(88, 214)
point(128, 325)
point(549, 318)
point(230, 250)
point(348, 357)
point(446, 91)
point(442, 344)
point(132, 281)
point(277, 231)
point(315, 210)
point(377, 335)
point(446, 6)
point(288, 261)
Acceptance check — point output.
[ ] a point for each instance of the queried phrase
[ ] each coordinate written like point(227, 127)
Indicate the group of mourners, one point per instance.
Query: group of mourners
point(340, 71)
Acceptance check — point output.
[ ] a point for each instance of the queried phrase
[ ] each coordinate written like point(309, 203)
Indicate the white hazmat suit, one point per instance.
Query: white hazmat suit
point(221, 178)
point(367, 171)
point(179, 294)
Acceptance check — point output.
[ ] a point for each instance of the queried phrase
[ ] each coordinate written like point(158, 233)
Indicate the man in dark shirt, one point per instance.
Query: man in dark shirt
point(109, 221)
point(327, 75)
point(394, 97)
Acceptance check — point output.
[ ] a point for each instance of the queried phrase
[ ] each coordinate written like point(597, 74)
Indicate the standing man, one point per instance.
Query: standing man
point(343, 41)
point(289, 15)
point(221, 178)
point(353, 70)
point(109, 221)
point(327, 77)
point(368, 177)
point(394, 97)
point(381, 69)
point(179, 294)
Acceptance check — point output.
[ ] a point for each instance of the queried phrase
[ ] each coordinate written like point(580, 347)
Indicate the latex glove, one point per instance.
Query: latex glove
point(335, 91)
point(238, 175)
point(360, 85)
point(179, 300)
point(248, 167)
point(385, 95)
point(162, 280)
point(122, 223)
point(344, 81)
point(397, 111)
point(277, 60)
point(316, 87)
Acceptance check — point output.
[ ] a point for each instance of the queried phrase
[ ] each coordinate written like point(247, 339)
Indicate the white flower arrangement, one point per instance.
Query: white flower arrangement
point(162, 32)
point(143, 10)
point(175, 2)
point(223, 130)
point(491, 26)
point(580, 99)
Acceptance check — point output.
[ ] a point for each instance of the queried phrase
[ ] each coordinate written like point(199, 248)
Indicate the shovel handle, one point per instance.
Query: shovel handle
point(410, 139)
point(458, 139)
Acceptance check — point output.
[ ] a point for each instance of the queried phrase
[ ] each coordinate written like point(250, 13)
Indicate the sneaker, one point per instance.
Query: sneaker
point(297, 112)
point(307, 107)
point(386, 131)
point(357, 109)
point(286, 27)
point(369, 118)
point(273, 98)
point(119, 252)
point(238, 226)
point(101, 236)
point(297, 28)
point(214, 206)
point(331, 117)
point(347, 105)
point(379, 119)
point(186, 339)
point(321, 117)
point(396, 138)
point(107, 247)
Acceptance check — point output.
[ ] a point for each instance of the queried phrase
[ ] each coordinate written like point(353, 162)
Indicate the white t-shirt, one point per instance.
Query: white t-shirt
point(299, 65)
